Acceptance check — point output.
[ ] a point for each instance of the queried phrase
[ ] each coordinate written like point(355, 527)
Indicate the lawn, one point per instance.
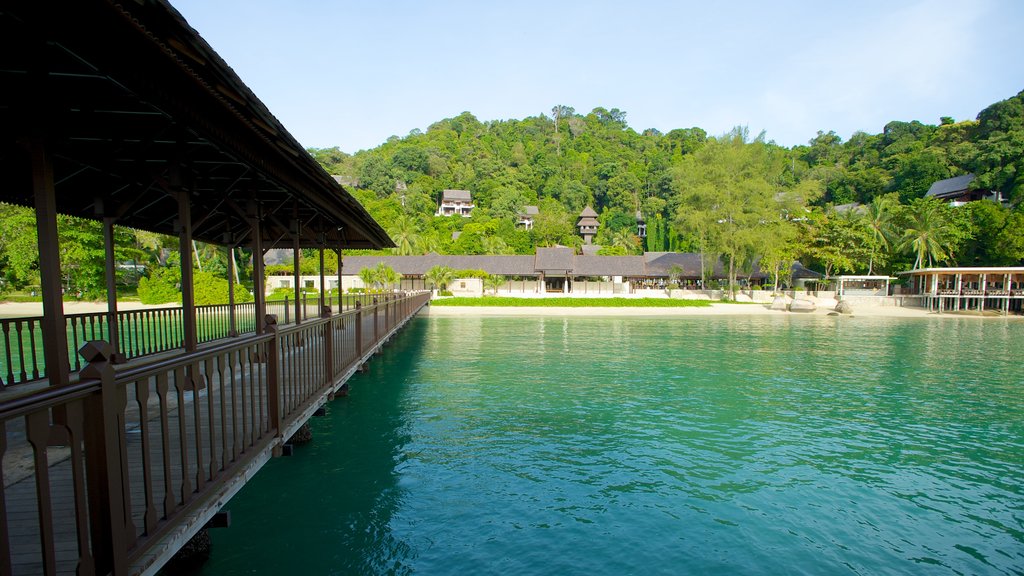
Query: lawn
point(570, 302)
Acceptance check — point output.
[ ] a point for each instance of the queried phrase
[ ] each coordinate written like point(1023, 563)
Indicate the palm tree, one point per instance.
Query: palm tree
point(369, 278)
point(439, 276)
point(386, 275)
point(493, 282)
point(878, 219)
point(495, 245)
point(926, 234)
point(625, 239)
point(405, 235)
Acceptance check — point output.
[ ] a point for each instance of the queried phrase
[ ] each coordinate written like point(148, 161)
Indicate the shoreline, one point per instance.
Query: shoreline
point(715, 309)
point(28, 309)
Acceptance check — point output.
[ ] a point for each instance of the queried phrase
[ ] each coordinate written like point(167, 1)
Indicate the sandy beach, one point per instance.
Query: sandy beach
point(17, 309)
point(12, 309)
point(716, 309)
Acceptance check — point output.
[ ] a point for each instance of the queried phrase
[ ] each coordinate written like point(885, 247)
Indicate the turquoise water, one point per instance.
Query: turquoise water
point(606, 446)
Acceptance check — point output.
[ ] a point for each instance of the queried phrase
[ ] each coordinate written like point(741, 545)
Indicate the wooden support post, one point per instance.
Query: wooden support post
point(323, 284)
point(359, 331)
point(111, 278)
point(104, 427)
point(258, 280)
point(55, 339)
point(325, 312)
point(232, 328)
point(297, 256)
point(376, 312)
point(341, 306)
point(188, 300)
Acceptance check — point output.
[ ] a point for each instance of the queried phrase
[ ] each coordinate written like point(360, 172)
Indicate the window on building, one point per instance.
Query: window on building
point(286, 283)
point(309, 283)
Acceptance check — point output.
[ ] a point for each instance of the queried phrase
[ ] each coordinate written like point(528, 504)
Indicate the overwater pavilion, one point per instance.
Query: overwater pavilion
point(851, 285)
point(121, 113)
point(972, 288)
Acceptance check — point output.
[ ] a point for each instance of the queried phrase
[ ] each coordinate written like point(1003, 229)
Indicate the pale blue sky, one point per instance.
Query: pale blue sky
point(351, 74)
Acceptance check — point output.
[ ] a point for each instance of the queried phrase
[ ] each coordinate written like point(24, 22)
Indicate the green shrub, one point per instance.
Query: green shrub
point(444, 292)
point(212, 289)
point(161, 287)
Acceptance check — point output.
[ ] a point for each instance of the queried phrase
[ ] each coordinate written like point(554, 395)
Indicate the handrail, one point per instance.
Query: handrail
point(141, 332)
point(156, 444)
point(46, 398)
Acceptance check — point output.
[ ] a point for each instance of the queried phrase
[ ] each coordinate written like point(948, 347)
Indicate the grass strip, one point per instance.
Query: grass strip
point(505, 301)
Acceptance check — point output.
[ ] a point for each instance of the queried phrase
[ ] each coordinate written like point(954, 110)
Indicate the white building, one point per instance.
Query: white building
point(454, 202)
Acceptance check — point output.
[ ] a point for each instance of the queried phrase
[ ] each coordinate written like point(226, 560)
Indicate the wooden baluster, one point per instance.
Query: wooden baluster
point(150, 516)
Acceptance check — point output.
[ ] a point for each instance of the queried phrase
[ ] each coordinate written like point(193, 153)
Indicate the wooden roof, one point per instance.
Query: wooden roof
point(950, 186)
point(557, 261)
point(133, 107)
point(456, 195)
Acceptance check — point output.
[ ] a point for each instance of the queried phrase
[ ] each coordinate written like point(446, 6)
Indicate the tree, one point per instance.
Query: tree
point(926, 234)
point(439, 276)
point(493, 282)
point(838, 242)
point(878, 219)
point(727, 191)
point(405, 234)
point(386, 276)
point(369, 278)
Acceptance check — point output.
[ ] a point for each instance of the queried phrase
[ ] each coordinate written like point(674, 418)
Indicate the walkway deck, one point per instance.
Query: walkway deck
point(179, 437)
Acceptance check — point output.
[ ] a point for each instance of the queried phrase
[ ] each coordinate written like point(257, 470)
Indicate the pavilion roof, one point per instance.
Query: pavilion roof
point(134, 107)
point(950, 186)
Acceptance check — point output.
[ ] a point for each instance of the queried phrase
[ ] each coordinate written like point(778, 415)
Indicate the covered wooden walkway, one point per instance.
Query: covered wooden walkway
point(120, 112)
point(147, 454)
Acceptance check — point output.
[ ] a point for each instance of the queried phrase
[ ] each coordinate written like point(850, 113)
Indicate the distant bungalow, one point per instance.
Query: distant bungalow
point(456, 202)
point(550, 270)
point(957, 191)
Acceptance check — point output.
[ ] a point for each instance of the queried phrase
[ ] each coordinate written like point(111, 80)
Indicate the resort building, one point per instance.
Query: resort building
point(526, 217)
point(957, 191)
point(861, 286)
point(587, 224)
point(979, 289)
point(456, 202)
point(555, 270)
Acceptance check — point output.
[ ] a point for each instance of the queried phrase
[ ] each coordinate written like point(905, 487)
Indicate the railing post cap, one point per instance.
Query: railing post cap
point(96, 351)
point(270, 320)
point(325, 312)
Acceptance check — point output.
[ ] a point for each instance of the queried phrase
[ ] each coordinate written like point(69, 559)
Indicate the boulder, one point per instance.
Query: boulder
point(844, 307)
point(802, 306)
point(779, 303)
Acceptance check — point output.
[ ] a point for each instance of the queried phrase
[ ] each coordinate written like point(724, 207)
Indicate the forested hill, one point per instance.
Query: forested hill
point(567, 160)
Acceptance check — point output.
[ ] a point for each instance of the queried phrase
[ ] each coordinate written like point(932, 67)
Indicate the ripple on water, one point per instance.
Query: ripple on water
point(635, 446)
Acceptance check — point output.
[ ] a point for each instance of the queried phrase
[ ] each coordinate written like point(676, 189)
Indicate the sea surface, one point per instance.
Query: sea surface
point(699, 445)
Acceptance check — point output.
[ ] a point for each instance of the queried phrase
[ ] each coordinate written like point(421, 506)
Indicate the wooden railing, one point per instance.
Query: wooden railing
point(144, 450)
point(144, 331)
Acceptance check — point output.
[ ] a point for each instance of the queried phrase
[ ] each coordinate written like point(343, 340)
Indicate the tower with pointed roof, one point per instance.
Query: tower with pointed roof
point(587, 224)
